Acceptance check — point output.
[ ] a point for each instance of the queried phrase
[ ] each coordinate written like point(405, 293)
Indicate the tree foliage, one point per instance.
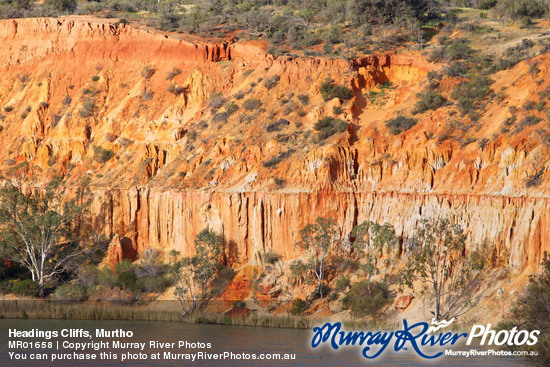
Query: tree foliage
point(61, 5)
point(516, 9)
point(371, 240)
point(41, 232)
point(367, 298)
point(399, 124)
point(437, 261)
point(328, 126)
point(329, 90)
point(192, 274)
point(532, 309)
point(318, 239)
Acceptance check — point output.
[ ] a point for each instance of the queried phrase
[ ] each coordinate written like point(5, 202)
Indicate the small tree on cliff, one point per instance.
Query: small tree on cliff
point(371, 239)
point(192, 274)
point(437, 259)
point(318, 239)
point(41, 232)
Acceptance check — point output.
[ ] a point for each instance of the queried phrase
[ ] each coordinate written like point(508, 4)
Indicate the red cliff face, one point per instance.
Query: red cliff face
point(179, 164)
point(252, 223)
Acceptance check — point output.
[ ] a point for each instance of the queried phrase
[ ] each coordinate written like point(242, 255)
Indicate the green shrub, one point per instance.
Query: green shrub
point(517, 9)
point(272, 162)
point(459, 49)
point(61, 5)
point(223, 277)
point(147, 72)
point(70, 292)
point(173, 73)
point(216, 101)
point(526, 22)
point(323, 289)
point(155, 284)
point(298, 307)
point(438, 54)
point(127, 280)
point(89, 276)
point(251, 104)
point(487, 4)
point(222, 117)
point(168, 21)
point(328, 126)
point(367, 298)
point(337, 110)
point(239, 304)
point(470, 95)
point(271, 258)
point(175, 90)
point(399, 124)
point(89, 91)
point(434, 78)
point(530, 120)
point(107, 278)
point(147, 95)
point(531, 311)
point(226, 274)
point(298, 271)
point(339, 91)
point(514, 55)
point(290, 107)
point(483, 143)
point(231, 108)
point(277, 125)
point(23, 78)
point(332, 36)
point(6, 286)
point(8, 108)
point(304, 99)
point(279, 181)
point(456, 69)
point(25, 287)
point(95, 78)
point(102, 155)
point(329, 90)
point(270, 83)
point(342, 284)
point(88, 108)
point(429, 100)
point(149, 276)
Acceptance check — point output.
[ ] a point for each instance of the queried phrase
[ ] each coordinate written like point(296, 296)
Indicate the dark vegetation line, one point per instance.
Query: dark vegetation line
point(289, 25)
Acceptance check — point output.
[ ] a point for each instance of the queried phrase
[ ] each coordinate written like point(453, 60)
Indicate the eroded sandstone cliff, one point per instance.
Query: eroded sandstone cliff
point(138, 112)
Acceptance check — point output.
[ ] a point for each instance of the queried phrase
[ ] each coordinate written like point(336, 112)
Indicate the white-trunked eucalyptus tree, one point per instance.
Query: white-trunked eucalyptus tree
point(42, 232)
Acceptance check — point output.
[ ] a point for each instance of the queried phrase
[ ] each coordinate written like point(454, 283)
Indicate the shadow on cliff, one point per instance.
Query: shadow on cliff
point(231, 253)
point(129, 252)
